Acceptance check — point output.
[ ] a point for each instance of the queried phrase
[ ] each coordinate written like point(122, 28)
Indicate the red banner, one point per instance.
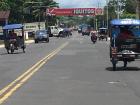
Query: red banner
point(75, 11)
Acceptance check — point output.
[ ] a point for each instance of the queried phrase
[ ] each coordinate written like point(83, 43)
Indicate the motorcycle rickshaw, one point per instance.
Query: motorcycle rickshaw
point(12, 44)
point(103, 33)
point(126, 49)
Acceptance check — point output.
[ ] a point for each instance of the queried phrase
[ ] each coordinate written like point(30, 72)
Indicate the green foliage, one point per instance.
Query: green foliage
point(129, 9)
point(23, 11)
point(129, 15)
point(4, 5)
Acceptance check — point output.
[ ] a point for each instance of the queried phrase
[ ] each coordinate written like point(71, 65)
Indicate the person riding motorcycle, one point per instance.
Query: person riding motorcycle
point(125, 33)
point(13, 38)
point(93, 36)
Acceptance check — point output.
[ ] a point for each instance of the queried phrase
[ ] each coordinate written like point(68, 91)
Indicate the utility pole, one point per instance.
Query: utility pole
point(138, 9)
point(107, 1)
point(119, 8)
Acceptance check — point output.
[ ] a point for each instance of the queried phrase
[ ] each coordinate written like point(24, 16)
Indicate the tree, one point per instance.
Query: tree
point(18, 9)
point(39, 8)
point(4, 5)
point(128, 9)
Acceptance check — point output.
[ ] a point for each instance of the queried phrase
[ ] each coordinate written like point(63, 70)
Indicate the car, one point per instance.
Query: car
point(79, 30)
point(86, 31)
point(41, 35)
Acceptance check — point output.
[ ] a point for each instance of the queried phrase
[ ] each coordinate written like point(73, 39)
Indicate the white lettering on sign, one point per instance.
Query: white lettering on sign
point(129, 22)
point(84, 11)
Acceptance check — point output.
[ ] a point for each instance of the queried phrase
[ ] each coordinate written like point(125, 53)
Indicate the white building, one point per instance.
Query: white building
point(32, 27)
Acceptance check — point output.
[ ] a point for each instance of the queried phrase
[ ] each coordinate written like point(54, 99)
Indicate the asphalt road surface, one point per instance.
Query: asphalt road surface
point(67, 71)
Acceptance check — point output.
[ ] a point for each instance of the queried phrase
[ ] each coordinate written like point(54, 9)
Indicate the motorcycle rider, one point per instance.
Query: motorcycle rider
point(93, 35)
point(13, 37)
point(125, 33)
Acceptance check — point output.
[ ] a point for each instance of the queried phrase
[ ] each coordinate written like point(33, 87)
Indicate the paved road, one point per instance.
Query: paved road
point(77, 73)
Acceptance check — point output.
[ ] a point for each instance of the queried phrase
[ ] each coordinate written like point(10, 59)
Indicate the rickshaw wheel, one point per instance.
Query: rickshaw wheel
point(106, 38)
point(125, 64)
point(8, 51)
point(47, 40)
point(114, 64)
point(23, 50)
point(12, 51)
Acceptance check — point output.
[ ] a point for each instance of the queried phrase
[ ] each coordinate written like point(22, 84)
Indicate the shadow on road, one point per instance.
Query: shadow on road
point(12, 53)
point(123, 69)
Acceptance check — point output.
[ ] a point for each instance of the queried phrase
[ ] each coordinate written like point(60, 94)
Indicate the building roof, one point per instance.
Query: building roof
point(4, 15)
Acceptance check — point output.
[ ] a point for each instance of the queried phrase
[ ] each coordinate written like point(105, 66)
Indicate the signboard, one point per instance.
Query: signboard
point(74, 11)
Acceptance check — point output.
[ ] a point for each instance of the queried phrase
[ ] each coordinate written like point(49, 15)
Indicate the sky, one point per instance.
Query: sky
point(80, 3)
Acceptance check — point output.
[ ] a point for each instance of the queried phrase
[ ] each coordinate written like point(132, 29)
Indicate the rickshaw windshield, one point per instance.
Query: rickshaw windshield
point(131, 24)
point(133, 29)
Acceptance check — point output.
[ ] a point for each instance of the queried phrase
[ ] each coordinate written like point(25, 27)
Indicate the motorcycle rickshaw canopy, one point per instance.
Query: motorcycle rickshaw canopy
point(13, 26)
point(125, 22)
point(124, 41)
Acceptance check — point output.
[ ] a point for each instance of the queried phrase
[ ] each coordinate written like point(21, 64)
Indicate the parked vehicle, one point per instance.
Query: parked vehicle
point(103, 33)
point(41, 35)
point(12, 41)
point(124, 44)
point(54, 31)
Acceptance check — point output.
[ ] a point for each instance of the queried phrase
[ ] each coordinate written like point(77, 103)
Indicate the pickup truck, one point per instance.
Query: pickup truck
point(54, 31)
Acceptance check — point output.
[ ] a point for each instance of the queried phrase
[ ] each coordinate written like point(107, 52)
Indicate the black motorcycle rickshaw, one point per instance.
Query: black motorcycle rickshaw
point(103, 33)
point(12, 44)
point(126, 48)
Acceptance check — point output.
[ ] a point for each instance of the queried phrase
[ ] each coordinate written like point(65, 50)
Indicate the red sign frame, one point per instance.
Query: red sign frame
point(74, 11)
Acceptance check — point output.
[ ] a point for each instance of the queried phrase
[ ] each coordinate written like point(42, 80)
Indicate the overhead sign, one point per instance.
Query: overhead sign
point(75, 11)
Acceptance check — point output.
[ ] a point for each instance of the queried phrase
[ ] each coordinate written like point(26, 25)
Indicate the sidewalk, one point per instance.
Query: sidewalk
point(27, 42)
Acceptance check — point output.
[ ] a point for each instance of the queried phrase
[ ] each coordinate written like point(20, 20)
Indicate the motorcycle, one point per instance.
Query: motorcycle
point(93, 38)
point(12, 46)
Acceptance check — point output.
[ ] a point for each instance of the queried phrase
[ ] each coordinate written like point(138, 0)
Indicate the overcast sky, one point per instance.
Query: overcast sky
point(80, 3)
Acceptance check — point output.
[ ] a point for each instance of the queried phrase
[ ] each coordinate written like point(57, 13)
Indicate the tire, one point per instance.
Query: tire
point(8, 51)
point(23, 48)
point(36, 41)
point(12, 51)
point(47, 40)
point(50, 35)
point(12, 47)
point(125, 64)
point(114, 65)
